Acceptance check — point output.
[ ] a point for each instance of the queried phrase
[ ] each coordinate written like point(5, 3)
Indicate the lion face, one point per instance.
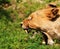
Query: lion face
point(25, 24)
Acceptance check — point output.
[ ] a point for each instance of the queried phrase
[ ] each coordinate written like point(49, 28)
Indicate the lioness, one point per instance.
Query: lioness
point(46, 20)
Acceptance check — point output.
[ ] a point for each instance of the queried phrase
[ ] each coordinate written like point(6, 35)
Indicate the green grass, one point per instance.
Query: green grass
point(12, 36)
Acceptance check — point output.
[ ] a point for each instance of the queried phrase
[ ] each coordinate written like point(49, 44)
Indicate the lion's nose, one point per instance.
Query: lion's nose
point(23, 27)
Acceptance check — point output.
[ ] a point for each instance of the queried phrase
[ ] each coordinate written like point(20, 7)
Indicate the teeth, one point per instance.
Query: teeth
point(26, 31)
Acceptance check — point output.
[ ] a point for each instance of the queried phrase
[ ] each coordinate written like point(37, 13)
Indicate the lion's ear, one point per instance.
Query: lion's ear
point(29, 18)
point(54, 11)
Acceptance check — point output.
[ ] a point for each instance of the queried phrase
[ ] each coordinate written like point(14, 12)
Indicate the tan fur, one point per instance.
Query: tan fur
point(42, 19)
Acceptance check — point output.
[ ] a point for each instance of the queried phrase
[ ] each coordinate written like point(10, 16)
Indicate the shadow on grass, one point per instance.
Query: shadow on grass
point(5, 14)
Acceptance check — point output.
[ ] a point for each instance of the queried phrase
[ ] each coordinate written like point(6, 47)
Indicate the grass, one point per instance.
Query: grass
point(12, 36)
